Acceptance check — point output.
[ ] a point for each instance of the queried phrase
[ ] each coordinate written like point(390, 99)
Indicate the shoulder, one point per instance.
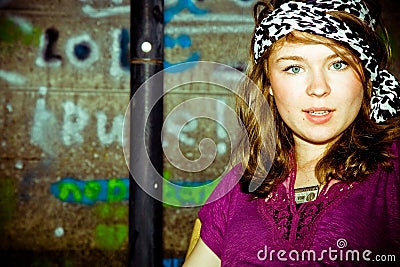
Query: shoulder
point(228, 185)
point(220, 209)
point(226, 193)
point(386, 179)
point(224, 200)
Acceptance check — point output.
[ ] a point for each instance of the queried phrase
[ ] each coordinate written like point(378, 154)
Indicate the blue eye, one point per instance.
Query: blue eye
point(296, 69)
point(339, 65)
point(293, 69)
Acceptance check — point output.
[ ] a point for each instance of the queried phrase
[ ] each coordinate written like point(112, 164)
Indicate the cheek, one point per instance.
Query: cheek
point(286, 98)
point(356, 94)
point(352, 100)
point(285, 105)
point(288, 88)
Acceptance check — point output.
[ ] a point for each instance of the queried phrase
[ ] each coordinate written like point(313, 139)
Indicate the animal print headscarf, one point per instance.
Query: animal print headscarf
point(312, 17)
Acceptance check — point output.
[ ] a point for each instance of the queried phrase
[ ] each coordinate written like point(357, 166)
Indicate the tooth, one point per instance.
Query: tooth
point(319, 113)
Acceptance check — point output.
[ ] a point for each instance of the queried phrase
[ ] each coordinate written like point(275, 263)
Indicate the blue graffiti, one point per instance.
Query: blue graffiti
point(89, 192)
point(177, 67)
point(169, 13)
point(124, 45)
point(173, 262)
point(183, 41)
point(72, 190)
point(82, 51)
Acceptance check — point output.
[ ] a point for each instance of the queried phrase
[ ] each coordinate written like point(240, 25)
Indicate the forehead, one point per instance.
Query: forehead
point(302, 40)
point(290, 50)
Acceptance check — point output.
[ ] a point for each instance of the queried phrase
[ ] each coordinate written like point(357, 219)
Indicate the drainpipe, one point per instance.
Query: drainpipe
point(145, 211)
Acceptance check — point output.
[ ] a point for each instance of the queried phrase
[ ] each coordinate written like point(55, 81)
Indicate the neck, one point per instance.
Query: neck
point(307, 155)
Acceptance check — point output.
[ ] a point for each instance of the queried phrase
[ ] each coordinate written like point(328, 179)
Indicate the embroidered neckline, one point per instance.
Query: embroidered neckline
point(296, 227)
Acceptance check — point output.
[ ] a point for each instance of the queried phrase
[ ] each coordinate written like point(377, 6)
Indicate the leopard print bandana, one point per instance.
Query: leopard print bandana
point(312, 17)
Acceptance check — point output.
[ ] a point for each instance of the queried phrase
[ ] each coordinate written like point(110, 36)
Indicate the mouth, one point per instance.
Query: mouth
point(319, 115)
point(319, 112)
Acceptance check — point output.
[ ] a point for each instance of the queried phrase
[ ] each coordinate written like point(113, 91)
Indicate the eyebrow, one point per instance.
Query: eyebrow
point(299, 58)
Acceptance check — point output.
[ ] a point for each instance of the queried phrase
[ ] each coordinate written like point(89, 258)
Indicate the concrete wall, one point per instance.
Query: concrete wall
point(64, 82)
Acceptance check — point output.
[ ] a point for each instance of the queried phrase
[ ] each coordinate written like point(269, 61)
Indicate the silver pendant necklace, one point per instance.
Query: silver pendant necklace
point(306, 194)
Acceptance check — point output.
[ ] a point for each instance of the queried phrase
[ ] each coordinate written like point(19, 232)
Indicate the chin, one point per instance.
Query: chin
point(322, 140)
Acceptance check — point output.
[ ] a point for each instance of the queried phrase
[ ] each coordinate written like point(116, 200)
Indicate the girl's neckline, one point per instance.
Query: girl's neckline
point(322, 192)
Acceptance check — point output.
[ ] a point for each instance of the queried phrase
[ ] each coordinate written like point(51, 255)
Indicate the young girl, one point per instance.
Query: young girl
point(331, 194)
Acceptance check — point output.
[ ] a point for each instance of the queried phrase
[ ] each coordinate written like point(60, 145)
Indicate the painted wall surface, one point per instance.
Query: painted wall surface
point(64, 83)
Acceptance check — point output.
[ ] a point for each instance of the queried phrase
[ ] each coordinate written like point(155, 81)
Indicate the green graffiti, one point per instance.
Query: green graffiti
point(121, 212)
point(115, 211)
point(186, 194)
point(111, 237)
point(193, 194)
point(166, 175)
point(67, 188)
point(92, 190)
point(117, 190)
point(104, 211)
point(7, 201)
point(12, 31)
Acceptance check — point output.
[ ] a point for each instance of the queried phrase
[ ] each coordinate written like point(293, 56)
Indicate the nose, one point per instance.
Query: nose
point(318, 84)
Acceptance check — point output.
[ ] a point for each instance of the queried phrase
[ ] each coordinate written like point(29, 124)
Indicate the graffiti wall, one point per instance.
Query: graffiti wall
point(64, 82)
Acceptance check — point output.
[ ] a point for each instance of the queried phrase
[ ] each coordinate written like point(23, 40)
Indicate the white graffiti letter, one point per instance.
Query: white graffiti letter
point(82, 51)
point(117, 53)
point(45, 129)
point(115, 133)
point(75, 119)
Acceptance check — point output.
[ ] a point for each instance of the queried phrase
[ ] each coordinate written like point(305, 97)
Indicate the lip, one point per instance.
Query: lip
point(319, 119)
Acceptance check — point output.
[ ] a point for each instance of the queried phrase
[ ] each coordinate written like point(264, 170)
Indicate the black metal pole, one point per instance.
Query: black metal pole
point(145, 211)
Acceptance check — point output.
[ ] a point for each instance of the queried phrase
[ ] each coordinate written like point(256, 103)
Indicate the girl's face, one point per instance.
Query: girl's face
point(317, 94)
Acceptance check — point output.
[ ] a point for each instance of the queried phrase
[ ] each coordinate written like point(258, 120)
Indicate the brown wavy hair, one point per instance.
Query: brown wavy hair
point(358, 151)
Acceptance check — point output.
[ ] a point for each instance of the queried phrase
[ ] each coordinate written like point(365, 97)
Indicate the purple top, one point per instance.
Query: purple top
point(348, 224)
